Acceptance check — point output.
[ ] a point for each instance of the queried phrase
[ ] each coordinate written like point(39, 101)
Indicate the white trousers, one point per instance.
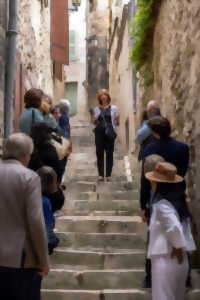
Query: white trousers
point(168, 278)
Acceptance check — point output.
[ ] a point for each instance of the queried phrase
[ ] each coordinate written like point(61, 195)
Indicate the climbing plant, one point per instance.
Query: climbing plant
point(142, 30)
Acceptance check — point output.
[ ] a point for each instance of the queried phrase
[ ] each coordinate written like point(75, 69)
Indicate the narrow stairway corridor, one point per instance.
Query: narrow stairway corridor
point(102, 238)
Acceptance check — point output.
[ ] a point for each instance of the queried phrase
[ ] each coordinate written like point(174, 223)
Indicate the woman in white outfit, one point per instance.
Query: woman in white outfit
point(170, 234)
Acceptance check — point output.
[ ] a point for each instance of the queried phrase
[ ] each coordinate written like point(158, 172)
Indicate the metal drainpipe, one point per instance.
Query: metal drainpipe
point(10, 66)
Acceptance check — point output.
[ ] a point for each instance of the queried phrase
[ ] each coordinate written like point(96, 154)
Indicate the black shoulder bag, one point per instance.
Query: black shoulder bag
point(109, 131)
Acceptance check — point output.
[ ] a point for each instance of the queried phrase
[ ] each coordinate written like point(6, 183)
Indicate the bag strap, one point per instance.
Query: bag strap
point(33, 116)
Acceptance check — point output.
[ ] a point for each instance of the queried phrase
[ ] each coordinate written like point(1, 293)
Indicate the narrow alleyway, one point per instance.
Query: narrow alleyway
point(102, 239)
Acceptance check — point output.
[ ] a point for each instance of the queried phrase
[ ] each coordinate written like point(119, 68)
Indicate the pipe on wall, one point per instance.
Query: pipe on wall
point(10, 66)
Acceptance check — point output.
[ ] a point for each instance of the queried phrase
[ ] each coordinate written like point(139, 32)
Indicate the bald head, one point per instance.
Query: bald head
point(18, 146)
point(153, 109)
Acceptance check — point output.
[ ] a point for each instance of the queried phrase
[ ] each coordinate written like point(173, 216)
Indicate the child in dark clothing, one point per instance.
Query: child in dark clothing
point(49, 185)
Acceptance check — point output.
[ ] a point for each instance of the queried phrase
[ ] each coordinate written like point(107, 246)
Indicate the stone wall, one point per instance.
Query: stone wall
point(121, 79)
point(34, 44)
point(3, 26)
point(176, 64)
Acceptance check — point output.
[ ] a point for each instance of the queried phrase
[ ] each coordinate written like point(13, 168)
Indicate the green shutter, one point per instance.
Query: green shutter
point(72, 44)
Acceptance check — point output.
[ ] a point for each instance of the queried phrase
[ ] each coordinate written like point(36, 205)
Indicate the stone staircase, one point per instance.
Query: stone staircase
point(102, 239)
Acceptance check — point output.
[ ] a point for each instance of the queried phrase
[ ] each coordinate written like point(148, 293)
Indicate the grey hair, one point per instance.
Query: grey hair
point(153, 109)
point(17, 146)
point(48, 177)
point(151, 161)
point(64, 106)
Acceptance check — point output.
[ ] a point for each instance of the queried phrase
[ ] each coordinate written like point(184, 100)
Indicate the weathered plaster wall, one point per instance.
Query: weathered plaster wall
point(34, 44)
point(177, 80)
point(121, 82)
point(3, 26)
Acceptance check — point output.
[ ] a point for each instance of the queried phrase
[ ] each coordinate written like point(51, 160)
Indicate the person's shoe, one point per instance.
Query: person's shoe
point(108, 179)
point(100, 179)
point(188, 283)
point(58, 213)
point(146, 284)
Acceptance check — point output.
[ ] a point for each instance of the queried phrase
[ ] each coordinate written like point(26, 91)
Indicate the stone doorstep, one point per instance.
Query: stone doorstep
point(95, 295)
point(101, 240)
point(99, 259)
point(129, 294)
point(94, 279)
point(98, 224)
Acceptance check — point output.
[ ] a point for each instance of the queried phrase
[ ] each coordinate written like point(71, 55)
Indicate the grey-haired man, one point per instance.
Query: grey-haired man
point(24, 251)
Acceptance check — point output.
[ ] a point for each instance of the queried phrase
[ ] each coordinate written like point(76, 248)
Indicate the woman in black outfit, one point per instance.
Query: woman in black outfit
point(45, 155)
point(106, 118)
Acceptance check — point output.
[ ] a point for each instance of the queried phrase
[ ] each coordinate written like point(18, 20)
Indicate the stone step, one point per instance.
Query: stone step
point(78, 240)
point(93, 178)
point(83, 186)
point(120, 195)
point(93, 279)
point(107, 205)
point(100, 224)
point(109, 195)
point(116, 294)
point(120, 259)
point(100, 213)
point(105, 187)
point(96, 295)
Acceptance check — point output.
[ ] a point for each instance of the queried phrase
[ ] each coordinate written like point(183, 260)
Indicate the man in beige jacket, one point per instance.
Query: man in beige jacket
point(23, 240)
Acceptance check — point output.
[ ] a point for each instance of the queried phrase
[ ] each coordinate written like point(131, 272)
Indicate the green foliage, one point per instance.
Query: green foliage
point(142, 30)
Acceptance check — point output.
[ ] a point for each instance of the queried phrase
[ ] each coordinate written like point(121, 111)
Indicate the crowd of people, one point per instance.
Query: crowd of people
point(32, 194)
point(164, 208)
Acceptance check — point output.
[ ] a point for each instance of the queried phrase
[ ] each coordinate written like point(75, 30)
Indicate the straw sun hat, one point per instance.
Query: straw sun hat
point(164, 172)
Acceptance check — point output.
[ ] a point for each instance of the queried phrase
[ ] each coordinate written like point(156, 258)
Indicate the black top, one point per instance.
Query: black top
point(105, 116)
point(46, 155)
point(173, 152)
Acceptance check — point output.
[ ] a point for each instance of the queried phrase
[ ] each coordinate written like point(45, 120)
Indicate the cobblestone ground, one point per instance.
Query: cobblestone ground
point(102, 239)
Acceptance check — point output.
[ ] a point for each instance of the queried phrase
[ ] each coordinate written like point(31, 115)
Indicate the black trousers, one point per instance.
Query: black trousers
point(104, 144)
point(19, 284)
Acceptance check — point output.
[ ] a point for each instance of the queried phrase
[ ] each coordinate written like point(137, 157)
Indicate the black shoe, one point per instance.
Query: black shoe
point(188, 283)
point(146, 284)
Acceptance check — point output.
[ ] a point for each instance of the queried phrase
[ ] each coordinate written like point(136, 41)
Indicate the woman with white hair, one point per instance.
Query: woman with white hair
point(63, 122)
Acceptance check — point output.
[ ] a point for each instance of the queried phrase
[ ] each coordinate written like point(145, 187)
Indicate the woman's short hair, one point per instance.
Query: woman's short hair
point(33, 98)
point(103, 92)
point(161, 126)
point(48, 177)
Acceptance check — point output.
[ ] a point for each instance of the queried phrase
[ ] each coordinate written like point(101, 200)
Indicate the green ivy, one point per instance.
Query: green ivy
point(142, 31)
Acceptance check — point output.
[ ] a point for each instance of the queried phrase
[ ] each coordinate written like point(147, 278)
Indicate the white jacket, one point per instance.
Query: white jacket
point(166, 230)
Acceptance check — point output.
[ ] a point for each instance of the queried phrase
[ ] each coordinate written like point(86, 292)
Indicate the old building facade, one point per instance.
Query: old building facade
point(121, 82)
point(75, 72)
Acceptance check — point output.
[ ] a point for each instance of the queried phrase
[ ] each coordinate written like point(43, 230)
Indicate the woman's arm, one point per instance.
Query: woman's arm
point(172, 228)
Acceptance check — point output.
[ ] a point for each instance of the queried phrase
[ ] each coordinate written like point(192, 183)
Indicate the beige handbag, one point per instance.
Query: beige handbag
point(63, 148)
